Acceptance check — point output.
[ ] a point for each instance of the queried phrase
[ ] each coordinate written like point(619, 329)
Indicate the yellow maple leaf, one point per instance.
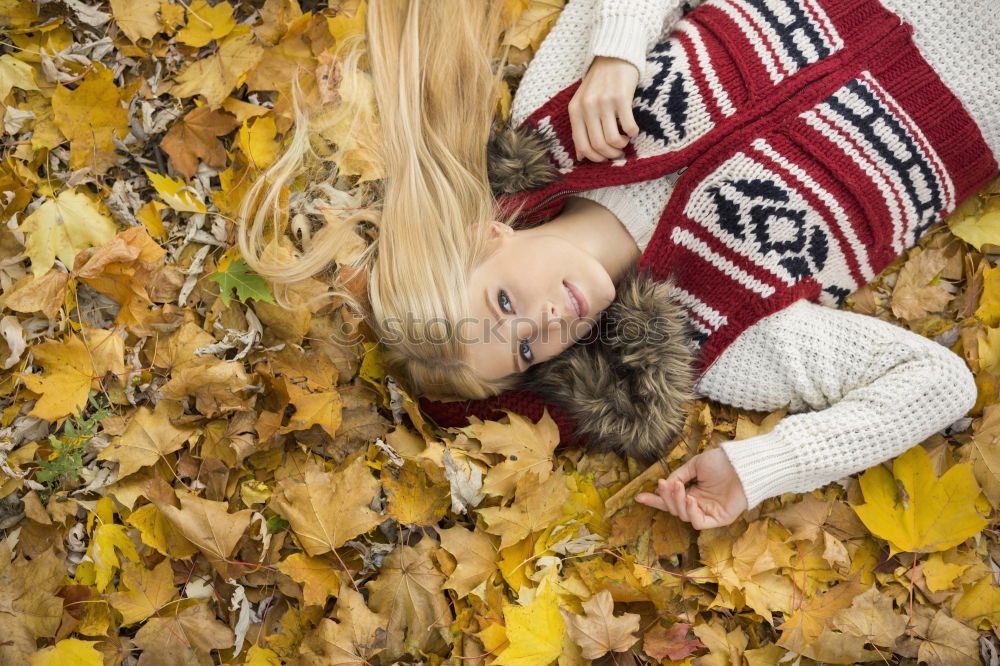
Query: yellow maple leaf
point(63, 227)
point(137, 18)
point(206, 22)
point(534, 631)
point(989, 304)
point(176, 193)
point(533, 23)
point(91, 116)
point(989, 350)
point(318, 576)
point(159, 533)
point(144, 591)
point(107, 541)
point(149, 436)
point(259, 656)
point(917, 512)
point(68, 652)
point(322, 525)
point(15, 74)
point(65, 381)
point(978, 230)
point(258, 143)
point(215, 76)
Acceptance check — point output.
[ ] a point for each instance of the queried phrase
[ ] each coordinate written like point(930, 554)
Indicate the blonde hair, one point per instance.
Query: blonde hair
point(435, 90)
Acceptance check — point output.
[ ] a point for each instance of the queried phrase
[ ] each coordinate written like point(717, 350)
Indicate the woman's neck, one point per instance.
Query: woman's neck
point(597, 231)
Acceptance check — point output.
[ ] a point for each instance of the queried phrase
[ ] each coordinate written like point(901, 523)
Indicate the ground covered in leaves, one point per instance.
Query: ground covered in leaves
point(191, 474)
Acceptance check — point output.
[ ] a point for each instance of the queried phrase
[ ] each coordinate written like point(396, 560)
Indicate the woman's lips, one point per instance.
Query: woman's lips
point(580, 305)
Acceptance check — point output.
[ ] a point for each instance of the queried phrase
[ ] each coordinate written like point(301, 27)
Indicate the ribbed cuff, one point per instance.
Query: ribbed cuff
point(765, 464)
point(621, 37)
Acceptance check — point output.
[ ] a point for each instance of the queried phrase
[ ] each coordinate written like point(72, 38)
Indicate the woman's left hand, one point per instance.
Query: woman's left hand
point(601, 109)
point(715, 499)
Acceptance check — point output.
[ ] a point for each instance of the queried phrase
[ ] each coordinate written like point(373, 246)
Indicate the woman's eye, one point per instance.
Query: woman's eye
point(525, 352)
point(504, 301)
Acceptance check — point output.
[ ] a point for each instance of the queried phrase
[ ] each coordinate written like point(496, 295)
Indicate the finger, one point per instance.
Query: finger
point(679, 496)
point(626, 118)
point(699, 520)
point(615, 140)
point(579, 127)
point(685, 472)
point(663, 491)
point(654, 501)
point(595, 132)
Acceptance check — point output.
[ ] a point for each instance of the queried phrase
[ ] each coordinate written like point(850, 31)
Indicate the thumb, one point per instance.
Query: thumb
point(685, 472)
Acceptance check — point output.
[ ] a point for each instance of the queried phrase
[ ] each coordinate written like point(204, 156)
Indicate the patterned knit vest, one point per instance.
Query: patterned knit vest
point(816, 145)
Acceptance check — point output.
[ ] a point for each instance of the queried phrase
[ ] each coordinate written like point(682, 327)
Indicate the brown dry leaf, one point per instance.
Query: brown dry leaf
point(599, 631)
point(195, 138)
point(537, 505)
point(208, 525)
point(949, 643)
point(120, 269)
point(409, 591)
point(321, 524)
point(805, 625)
point(45, 294)
point(149, 436)
point(185, 639)
point(916, 292)
point(984, 454)
point(214, 384)
point(148, 590)
point(525, 445)
point(354, 639)
point(871, 617)
point(475, 556)
point(726, 648)
point(672, 643)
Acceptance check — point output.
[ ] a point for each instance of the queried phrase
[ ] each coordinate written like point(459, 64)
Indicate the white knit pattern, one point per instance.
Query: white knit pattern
point(870, 391)
point(960, 41)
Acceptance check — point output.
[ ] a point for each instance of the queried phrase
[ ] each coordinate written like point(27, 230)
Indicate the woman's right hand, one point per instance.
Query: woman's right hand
point(601, 109)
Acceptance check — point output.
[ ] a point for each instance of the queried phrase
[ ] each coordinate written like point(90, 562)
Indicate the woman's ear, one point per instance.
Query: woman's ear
point(499, 228)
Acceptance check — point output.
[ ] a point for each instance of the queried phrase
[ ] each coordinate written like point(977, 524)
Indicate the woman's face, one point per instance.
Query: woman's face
point(536, 295)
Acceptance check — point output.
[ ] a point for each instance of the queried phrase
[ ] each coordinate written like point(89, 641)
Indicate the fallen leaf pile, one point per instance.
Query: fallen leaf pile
point(191, 473)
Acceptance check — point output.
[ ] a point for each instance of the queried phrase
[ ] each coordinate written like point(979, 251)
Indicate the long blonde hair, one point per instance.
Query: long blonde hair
point(435, 86)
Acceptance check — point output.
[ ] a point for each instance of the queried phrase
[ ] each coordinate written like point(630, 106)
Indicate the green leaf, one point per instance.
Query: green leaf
point(247, 284)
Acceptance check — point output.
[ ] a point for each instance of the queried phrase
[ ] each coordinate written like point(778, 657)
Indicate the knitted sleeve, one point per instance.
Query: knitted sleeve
point(628, 29)
point(867, 391)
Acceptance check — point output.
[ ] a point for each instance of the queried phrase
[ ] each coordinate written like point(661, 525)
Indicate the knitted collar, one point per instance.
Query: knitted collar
point(627, 386)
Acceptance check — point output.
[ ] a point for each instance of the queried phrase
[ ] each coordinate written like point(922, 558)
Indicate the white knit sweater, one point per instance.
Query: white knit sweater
point(861, 391)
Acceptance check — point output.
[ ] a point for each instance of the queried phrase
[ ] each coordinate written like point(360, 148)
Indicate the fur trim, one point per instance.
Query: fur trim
point(517, 160)
point(627, 389)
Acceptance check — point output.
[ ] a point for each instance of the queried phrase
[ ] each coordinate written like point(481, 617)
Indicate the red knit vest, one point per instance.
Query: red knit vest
point(818, 146)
